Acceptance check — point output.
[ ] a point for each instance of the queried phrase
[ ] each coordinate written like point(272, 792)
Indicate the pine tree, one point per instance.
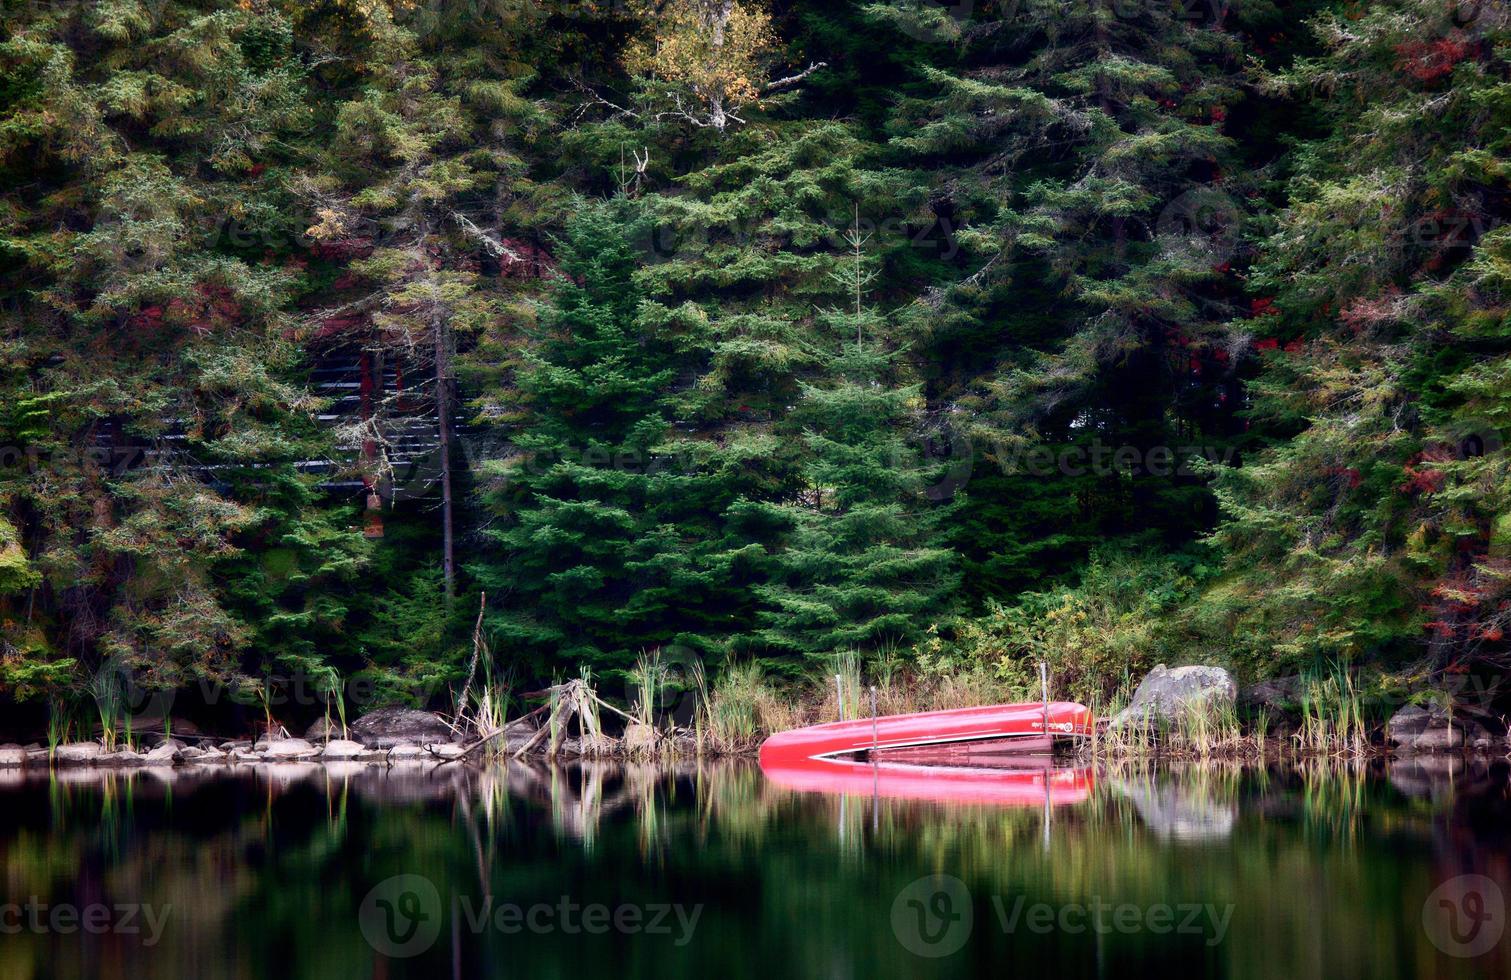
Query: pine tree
point(1380, 313)
point(608, 540)
point(410, 203)
point(150, 382)
point(1079, 150)
point(861, 567)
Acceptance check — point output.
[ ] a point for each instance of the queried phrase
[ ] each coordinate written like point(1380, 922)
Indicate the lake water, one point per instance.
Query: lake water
point(613, 871)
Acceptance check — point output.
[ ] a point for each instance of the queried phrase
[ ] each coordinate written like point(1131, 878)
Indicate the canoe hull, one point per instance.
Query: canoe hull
point(1002, 724)
point(1012, 788)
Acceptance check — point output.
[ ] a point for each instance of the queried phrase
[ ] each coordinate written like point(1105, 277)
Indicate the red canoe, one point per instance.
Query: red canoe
point(939, 784)
point(901, 732)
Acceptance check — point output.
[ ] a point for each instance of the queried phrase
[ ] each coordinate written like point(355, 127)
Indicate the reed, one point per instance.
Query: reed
point(482, 711)
point(105, 689)
point(1135, 740)
point(744, 708)
point(329, 688)
point(844, 678)
point(59, 724)
point(647, 680)
point(1206, 731)
point(1332, 714)
point(702, 707)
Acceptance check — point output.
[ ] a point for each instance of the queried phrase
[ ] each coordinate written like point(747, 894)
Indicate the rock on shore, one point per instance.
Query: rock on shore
point(386, 728)
point(1167, 695)
point(1432, 728)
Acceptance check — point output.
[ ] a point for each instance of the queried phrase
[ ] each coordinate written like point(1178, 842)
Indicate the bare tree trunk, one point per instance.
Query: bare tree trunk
point(443, 421)
point(1104, 101)
point(371, 365)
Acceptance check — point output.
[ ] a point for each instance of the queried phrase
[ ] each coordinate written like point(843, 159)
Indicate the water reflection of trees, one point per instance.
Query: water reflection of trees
point(284, 855)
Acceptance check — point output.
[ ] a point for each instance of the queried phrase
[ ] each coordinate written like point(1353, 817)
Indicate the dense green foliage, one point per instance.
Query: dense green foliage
point(959, 335)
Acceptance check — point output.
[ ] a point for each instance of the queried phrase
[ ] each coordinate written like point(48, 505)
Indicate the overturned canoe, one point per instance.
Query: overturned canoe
point(1035, 724)
point(938, 784)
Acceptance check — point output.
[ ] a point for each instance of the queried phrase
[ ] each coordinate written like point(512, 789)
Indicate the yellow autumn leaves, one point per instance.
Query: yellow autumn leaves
point(716, 49)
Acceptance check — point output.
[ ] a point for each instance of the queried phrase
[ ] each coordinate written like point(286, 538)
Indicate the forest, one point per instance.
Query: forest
point(746, 342)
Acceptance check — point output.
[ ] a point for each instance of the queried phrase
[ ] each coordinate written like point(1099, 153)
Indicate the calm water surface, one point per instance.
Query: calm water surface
point(709, 871)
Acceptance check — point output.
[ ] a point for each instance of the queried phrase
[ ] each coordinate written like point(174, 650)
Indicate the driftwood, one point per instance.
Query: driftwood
point(574, 697)
point(478, 646)
point(484, 740)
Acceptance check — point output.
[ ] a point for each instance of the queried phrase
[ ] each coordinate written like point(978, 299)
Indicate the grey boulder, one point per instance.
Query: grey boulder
point(339, 749)
point(165, 754)
point(289, 748)
point(1433, 728)
point(77, 753)
point(388, 727)
point(1166, 696)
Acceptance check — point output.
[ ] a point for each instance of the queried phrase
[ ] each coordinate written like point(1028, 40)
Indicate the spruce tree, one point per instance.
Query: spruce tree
point(1079, 151)
point(157, 499)
point(606, 539)
point(1380, 315)
point(861, 567)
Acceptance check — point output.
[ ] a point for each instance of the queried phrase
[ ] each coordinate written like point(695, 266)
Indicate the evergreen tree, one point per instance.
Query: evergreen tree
point(412, 203)
point(609, 539)
point(1380, 314)
point(861, 567)
point(1080, 149)
point(152, 393)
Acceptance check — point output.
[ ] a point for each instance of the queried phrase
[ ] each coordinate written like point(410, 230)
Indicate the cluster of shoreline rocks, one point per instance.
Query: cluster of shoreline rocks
point(1166, 695)
point(386, 737)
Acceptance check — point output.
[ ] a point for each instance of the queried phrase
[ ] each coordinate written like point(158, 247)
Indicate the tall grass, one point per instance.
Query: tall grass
point(1332, 715)
point(589, 717)
point(488, 715)
point(109, 702)
point(1209, 729)
point(742, 709)
point(329, 687)
point(844, 677)
point(60, 723)
point(647, 680)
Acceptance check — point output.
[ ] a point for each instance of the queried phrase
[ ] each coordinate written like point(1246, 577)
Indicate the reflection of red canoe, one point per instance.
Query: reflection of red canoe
point(944, 784)
point(897, 732)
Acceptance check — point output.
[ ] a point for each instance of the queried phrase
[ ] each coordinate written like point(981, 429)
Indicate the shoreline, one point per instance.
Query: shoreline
point(1274, 750)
